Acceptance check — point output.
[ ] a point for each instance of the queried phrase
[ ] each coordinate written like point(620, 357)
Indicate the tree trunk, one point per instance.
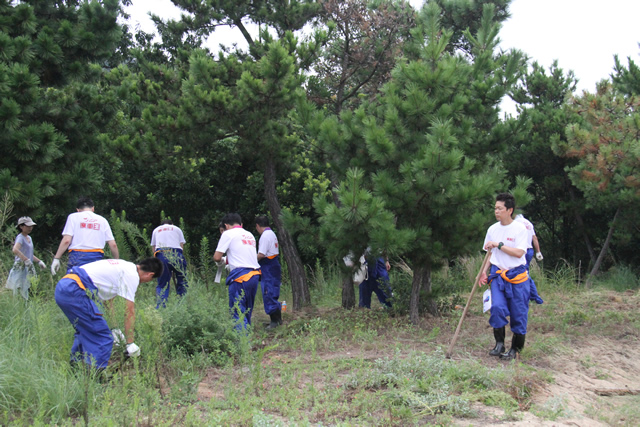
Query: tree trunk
point(603, 251)
point(299, 287)
point(421, 284)
point(583, 230)
point(348, 292)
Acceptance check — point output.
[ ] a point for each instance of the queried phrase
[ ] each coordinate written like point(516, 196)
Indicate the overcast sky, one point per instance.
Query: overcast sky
point(583, 35)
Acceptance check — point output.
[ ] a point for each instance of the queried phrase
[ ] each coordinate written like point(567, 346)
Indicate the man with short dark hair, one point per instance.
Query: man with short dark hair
point(168, 242)
point(508, 276)
point(80, 294)
point(242, 280)
point(269, 260)
point(85, 234)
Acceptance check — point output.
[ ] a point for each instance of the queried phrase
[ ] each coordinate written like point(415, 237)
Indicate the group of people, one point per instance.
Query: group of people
point(91, 281)
point(248, 265)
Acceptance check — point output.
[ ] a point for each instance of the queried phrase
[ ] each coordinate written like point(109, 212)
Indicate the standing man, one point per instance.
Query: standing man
point(167, 242)
point(269, 260)
point(80, 293)
point(85, 235)
point(242, 280)
point(508, 276)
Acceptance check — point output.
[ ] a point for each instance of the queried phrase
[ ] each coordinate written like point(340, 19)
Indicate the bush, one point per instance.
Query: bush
point(199, 322)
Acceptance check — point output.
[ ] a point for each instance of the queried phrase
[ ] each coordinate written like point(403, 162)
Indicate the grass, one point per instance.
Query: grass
point(324, 366)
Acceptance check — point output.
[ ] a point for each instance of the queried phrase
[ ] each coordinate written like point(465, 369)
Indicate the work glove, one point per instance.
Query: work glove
point(55, 266)
point(28, 263)
point(133, 350)
point(118, 337)
point(539, 256)
point(42, 264)
point(222, 262)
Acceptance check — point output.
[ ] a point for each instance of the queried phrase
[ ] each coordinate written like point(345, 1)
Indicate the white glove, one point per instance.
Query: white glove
point(42, 264)
point(28, 263)
point(118, 337)
point(133, 350)
point(55, 266)
point(539, 256)
point(222, 262)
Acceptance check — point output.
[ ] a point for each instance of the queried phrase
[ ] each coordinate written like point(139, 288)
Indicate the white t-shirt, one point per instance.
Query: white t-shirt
point(167, 236)
point(240, 247)
point(530, 231)
point(513, 235)
point(114, 277)
point(268, 244)
point(88, 230)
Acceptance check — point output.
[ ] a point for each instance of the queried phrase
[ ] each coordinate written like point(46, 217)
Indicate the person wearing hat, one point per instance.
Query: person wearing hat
point(22, 271)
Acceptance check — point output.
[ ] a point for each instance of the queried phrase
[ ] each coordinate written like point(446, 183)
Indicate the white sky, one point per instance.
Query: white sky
point(583, 35)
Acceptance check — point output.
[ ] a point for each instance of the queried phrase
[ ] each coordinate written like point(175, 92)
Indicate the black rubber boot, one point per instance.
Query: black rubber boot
point(276, 320)
point(498, 334)
point(517, 344)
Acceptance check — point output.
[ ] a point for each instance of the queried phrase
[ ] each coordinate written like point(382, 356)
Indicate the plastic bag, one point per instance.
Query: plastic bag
point(486, 301)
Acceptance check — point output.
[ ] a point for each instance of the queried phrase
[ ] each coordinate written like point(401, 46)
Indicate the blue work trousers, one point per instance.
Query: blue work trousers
point(534, 289)
point(244, 293)
point(270, 283)
point(92, 342)
point(377, 282)
point(79, 258)
point(174, 263)
point(510, 300)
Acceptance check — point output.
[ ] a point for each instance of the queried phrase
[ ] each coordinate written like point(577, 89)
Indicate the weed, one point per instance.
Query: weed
point(555, 407)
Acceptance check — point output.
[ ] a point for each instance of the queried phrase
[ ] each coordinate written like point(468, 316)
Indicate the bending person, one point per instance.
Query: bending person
point(80, 294)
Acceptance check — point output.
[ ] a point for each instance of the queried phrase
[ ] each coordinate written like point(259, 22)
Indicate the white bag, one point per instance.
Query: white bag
point(486, 301)
point(362, 273)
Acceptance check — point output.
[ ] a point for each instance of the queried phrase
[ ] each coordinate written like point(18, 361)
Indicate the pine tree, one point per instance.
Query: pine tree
point(427, 145)
point(559, 211)
point(53, 109)
point(605, 143)
point(251, 96)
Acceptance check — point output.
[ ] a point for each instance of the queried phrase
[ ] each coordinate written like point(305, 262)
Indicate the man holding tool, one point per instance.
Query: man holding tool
point(510, 283)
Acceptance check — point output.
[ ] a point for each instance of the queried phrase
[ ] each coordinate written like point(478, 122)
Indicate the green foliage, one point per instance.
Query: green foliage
point(619, 278)
point(605, 145)
point(35, 381)
point(133, 244)
point(199, 322)
point(52, 111)
point(423, 151)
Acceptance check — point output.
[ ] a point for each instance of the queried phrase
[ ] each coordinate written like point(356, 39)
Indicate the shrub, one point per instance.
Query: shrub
point(199, 322)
